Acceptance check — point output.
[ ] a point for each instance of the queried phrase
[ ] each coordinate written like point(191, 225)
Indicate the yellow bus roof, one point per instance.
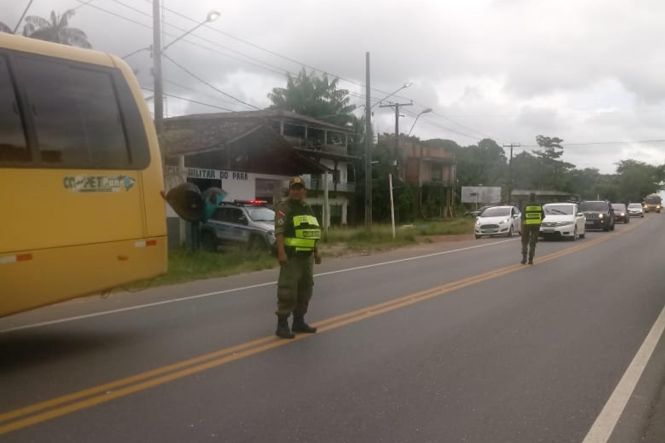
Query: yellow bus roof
point(34, 46)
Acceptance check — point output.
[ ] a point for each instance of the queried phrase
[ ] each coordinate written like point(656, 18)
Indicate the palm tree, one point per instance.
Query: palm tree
point(318, 97)
point(56, 30)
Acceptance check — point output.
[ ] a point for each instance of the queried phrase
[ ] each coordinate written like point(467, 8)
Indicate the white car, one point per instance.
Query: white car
point(563, 220)
point(498, 220)
point(635, 210)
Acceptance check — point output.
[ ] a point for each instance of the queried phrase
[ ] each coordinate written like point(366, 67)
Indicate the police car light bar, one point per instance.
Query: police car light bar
point(251, 202)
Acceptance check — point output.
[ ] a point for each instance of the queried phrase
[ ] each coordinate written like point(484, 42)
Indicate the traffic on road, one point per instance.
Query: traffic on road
point(458, 330)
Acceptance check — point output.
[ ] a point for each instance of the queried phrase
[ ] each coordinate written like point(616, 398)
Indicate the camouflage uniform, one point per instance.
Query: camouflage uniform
point(296, 279)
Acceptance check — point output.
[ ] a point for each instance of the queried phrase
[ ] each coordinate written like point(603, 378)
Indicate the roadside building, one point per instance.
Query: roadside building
point(432, 170)
point(251, 155)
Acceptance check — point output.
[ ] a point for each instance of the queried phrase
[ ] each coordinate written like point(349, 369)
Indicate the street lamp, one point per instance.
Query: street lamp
point(404, 86)
point(211, 16)
point(157, 51)
point(424, 111)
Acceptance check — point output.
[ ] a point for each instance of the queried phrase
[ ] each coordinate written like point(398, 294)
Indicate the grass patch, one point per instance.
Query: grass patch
point(380, 237)
point(185, 265)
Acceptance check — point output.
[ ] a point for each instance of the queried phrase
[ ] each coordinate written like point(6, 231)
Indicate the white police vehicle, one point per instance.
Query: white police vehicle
point(245, 223)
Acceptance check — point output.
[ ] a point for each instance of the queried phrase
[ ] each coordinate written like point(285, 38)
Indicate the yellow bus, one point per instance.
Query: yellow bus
point(80, 176)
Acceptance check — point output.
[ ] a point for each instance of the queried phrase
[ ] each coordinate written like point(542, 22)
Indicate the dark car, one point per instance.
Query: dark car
point(249, 224)
point(477, 212)
point(621, 213)
point(599, 214)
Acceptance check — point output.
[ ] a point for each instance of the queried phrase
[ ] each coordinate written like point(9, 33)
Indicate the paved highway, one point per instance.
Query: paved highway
point(447, 342)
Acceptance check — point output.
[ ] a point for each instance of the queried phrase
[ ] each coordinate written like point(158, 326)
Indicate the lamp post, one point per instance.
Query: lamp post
point(158, 50)
point(404, 86)
point(424, 111)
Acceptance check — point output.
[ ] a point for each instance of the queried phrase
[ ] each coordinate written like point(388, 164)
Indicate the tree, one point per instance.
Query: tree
point(553, 172)
point(484, 164)
point(586, 183)
point(56, 29)
point(636, 180)
point(5, 28)
point(317, 97)
point(526, 171)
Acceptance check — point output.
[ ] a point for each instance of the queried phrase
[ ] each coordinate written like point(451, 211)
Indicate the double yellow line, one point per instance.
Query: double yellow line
point(66, 404)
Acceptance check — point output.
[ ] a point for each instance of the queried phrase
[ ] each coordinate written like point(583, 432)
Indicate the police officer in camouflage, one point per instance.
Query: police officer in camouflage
point(532, 217)
point(297, 232)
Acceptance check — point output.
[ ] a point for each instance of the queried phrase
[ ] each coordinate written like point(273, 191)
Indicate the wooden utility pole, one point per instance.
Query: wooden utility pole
point(368, 147)
point(157, 66)
point(510, 170)
point(396, 153)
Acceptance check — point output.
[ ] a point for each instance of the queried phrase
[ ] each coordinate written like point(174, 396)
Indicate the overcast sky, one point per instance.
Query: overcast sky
point(587, 71)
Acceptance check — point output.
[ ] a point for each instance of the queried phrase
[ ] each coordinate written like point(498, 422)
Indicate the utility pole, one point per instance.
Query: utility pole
point(368, 147)
point(157, 66)
point(396, 153)
point(510, 170)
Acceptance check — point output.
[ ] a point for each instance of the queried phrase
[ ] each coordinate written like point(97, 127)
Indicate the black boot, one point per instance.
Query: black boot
point(283, 330)
point(299, 325)
point(523, 259)
point(530, 260)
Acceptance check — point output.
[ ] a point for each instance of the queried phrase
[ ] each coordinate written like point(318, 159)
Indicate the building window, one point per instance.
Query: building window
point(437, 172)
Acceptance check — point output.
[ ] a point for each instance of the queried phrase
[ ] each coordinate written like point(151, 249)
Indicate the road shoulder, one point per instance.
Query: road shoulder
point(643, 420)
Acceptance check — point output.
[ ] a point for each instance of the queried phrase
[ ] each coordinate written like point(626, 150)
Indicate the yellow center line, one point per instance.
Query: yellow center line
point(66, 404)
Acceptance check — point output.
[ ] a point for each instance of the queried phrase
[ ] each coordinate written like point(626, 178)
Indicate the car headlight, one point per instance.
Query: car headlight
point(623, 214)
point(601, 216)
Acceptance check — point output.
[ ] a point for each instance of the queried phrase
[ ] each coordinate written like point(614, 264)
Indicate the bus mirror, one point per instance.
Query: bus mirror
point(212, 198)
point(186, 201)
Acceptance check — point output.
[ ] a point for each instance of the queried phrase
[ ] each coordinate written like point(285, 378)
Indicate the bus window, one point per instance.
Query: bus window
point(13, 147)
point(76, 115)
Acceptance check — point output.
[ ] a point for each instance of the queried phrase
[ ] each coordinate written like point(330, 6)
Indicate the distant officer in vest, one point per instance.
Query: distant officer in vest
point(532, 217)
point(297, 232)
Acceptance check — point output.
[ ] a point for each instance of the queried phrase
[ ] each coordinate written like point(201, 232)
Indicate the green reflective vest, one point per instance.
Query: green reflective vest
point(533, 214)
point(306, 232)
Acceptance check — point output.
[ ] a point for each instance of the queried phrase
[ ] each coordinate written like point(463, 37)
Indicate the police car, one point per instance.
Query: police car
point(246, 223)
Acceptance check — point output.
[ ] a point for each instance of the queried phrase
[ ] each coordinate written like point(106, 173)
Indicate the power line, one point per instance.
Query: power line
point(618, 142)
point(285, 57)
point(191, 100)
point(210, 85)
point(260, 63)
point(461, 125)
point(251, 60)
point(144, 25)
point(82, 4)
point(428, 121)
point(198, 92)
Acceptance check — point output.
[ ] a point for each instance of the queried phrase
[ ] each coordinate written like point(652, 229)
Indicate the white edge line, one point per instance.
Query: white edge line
point(244, 288)
point(602, 428)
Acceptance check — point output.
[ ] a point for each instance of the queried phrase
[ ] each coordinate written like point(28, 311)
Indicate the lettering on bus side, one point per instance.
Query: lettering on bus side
point(98, 183)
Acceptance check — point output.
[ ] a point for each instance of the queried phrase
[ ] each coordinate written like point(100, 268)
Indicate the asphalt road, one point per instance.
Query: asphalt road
point(449, 342)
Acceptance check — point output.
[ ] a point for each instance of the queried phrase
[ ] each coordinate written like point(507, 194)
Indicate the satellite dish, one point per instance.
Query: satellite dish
point(186, 201)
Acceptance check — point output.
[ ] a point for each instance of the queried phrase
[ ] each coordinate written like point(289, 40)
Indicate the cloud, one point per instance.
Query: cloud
point(582, 70)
